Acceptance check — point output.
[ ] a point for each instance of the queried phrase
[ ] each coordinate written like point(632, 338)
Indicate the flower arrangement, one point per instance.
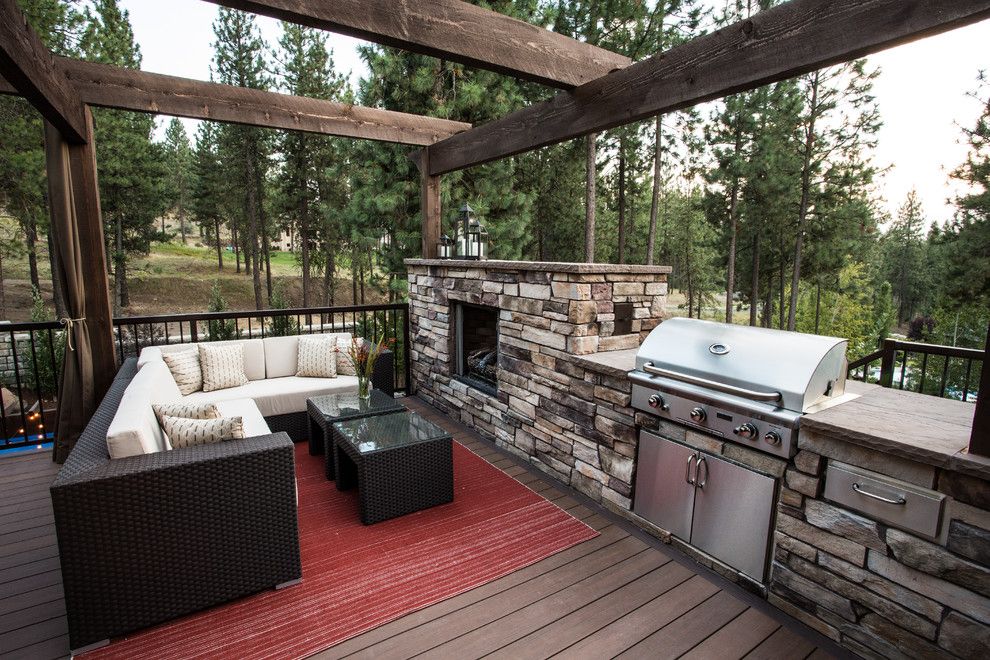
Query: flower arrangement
point(363, 354)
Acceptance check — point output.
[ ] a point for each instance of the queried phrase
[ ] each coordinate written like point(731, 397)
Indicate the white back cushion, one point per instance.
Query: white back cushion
point(134, 429)
point(149, 354)
point(281, 356)
point(344, 364)
point(254, 354)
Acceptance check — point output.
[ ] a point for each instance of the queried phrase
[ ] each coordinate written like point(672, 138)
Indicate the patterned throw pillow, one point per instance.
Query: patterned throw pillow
point(186, 411)
point(189, 432)
point(223, 366)
point(185, 369)
point(344, 365)
point(317, 358)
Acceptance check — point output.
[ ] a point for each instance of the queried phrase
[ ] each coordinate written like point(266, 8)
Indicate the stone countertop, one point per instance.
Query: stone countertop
point(545, 266)
point(611, 363)
point(918, 427)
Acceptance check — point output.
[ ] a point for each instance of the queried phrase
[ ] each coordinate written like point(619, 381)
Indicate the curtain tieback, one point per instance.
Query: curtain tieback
point(68, 323)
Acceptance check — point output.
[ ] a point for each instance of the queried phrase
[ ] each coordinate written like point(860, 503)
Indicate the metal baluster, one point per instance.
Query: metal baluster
point(120, 340)
point(249, 326)
point(969, 367)
point(924, 371)
point(37, 381)
point(945, 375)
point(903, 367)
point(134, 331)
point(20, 389)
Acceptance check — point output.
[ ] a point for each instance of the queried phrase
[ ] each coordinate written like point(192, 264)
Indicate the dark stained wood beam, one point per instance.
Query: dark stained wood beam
point(30, 67)
point(452, 30)
point(776, 44)
point(141, 91)
point(429, 202)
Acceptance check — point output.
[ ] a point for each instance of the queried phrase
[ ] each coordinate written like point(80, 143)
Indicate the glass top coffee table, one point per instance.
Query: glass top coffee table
point(400, 463)
point(327, 409)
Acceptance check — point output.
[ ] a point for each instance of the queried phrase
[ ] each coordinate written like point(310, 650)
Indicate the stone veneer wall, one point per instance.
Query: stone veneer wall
point(569, 421)
point(878, 590)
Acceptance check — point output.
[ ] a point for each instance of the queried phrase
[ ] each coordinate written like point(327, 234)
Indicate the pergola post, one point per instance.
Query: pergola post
point(429, 205)
point(90, 362)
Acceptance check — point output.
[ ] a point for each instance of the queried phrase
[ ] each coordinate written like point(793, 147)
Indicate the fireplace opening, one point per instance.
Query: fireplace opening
point(477, 346)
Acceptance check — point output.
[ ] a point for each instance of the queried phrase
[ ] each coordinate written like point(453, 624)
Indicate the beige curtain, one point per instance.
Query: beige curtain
point(75, 216)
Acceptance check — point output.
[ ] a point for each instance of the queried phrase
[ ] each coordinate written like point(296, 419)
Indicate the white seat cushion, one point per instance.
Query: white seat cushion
point(134, 429)
point(278, 396)
point(254, 354)
point(252, 419)
point(281, 356)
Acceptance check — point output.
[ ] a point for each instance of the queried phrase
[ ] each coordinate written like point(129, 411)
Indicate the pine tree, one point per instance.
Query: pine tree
point(179, 163)
point(22, 155)
point(131, 166)
point(307, 159)
point(903, 257)
point(244, 151)
point(208, 187)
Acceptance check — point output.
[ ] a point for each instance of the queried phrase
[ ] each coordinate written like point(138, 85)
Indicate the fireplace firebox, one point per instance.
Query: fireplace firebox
point(476, 346)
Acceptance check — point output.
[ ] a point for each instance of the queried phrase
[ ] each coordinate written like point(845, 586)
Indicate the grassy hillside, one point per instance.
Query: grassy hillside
point(173, 278)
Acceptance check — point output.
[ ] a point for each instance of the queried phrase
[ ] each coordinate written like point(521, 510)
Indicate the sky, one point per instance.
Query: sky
point(922, 90)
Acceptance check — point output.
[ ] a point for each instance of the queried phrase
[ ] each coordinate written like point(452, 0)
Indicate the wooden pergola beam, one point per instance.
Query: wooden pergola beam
point(129, 89)
point(776, 44)
point(31, 68)
point(451, 30)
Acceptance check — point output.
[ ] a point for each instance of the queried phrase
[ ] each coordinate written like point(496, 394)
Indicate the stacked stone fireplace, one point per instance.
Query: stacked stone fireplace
point(532, 396)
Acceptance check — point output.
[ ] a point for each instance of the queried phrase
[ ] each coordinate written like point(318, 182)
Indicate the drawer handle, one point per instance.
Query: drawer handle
point(687, 470)
point(888, 500)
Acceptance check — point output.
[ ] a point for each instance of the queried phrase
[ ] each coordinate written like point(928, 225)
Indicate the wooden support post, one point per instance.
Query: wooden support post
point(430, 205)
point(74, 202)
point(889, 349)
point(979, 441)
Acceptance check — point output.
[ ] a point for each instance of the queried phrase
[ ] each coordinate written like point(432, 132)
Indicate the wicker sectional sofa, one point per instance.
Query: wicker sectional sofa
point(151, 537)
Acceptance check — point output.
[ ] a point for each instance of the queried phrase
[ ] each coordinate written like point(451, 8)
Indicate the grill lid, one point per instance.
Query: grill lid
point(758, 363)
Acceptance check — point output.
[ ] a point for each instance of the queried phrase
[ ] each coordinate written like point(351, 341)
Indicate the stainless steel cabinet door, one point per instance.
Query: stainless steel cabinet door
point(663, 494)
point(732, 510)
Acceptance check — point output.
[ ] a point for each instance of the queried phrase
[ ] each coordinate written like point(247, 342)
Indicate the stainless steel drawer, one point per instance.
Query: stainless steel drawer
point(886, 500)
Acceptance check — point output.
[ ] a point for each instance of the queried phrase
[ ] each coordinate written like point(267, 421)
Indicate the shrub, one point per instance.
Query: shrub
point(220, 330)
point(43, 366)
point(281, 326)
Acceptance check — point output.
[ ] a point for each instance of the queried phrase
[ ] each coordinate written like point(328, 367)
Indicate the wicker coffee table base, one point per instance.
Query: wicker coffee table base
point(398, 481)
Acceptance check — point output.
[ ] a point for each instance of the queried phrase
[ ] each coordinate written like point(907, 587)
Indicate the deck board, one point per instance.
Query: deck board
point(617, 593)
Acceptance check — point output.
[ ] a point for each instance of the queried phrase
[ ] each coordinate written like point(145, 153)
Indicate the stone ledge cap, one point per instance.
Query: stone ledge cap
point(544, 266)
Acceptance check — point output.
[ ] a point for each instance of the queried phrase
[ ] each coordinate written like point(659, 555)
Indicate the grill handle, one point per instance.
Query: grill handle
point(712, 384)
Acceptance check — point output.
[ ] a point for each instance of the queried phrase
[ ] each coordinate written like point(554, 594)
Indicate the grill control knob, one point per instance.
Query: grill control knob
point(747, 431)
point(656, 401)
point(698, 414)
point(772, 438)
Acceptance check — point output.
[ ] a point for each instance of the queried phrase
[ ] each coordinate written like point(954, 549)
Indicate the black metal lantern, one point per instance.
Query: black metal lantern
point(445, 247)
point(472, 237)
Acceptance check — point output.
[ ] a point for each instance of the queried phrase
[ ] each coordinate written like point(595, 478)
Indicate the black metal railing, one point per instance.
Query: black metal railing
point(944, 371)
point(32, 357)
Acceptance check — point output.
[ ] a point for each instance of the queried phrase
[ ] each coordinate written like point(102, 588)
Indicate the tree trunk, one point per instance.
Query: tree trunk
point(237, 247)
point(31, 240)
point(182, 224)
point(754, 292)
point(265, 242)
point(328, 276)
point(216, 227)
point(120, 266)
point(304, 240)
point(809, 143)
point(591, 177)
point(622, 203)
point(780, 285)
point(651, 241)
point(354, 276)
point(818, 304)
point(689, 282)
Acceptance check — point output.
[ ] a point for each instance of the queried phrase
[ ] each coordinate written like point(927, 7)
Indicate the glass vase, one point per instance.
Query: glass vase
point(364, 388)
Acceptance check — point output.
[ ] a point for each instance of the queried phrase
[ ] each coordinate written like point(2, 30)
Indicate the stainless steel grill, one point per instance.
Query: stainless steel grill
point(749, 385)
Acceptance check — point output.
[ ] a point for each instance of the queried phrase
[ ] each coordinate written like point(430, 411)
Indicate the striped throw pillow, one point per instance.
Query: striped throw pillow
point(185, 411)
point(316, 357)
point(190, 432)
point(223, 366)
point(185, 369)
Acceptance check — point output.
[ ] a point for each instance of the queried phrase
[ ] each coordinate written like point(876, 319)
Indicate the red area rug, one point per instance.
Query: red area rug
point(356, 577)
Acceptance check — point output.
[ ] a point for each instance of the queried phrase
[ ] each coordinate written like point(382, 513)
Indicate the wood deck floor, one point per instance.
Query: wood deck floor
point(622, 594)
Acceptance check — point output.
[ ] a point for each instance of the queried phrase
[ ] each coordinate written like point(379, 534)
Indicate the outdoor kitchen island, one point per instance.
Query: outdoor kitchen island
point(863, 576)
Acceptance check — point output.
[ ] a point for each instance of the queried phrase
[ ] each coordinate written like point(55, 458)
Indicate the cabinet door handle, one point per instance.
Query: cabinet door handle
point(687, 470)
point(697, 472)
point(898, 500)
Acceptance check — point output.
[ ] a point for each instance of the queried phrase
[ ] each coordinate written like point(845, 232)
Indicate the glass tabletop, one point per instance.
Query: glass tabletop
point(389, 431)
point(346, 405)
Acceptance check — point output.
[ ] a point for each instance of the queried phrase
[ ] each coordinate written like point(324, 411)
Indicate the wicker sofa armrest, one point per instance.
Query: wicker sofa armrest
point(383, 375)
point(149, 538)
